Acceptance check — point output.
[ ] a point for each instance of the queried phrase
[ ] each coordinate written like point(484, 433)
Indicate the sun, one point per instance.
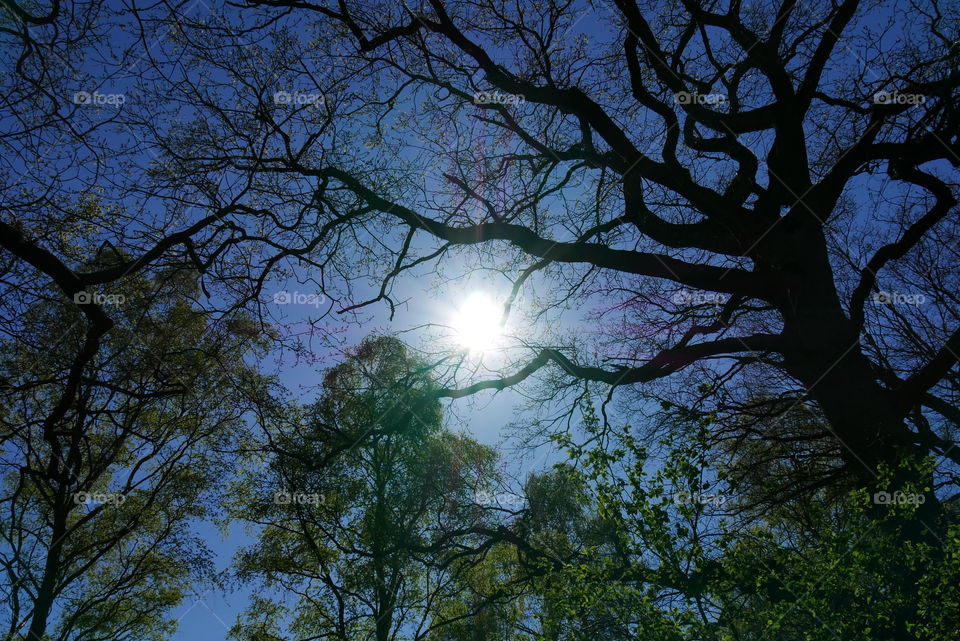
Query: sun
point(476, 322)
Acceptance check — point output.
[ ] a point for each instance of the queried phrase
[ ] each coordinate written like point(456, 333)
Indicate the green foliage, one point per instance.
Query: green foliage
point(156, 411)
point(680, 563)
point(375, 486)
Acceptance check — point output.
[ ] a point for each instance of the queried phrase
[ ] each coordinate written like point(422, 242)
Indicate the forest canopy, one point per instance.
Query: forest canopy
point(480, 319)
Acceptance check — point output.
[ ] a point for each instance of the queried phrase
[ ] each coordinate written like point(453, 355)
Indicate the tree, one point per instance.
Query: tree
point(696, 168)
point(690, 558)
point(697, 164)
point(365, 509)
point(488, 599)
point(99, 493)
point(759, 203)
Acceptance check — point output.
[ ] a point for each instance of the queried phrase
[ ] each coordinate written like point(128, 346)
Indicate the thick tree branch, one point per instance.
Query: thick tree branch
point(720, 279)
point(913, 389)
point(663, 364)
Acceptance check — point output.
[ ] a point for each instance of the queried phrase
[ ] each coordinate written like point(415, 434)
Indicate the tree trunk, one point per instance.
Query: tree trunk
point(824, 352)
point(43, 602)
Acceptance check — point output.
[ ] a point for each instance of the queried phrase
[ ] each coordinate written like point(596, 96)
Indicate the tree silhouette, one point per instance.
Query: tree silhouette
point(747, 183)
